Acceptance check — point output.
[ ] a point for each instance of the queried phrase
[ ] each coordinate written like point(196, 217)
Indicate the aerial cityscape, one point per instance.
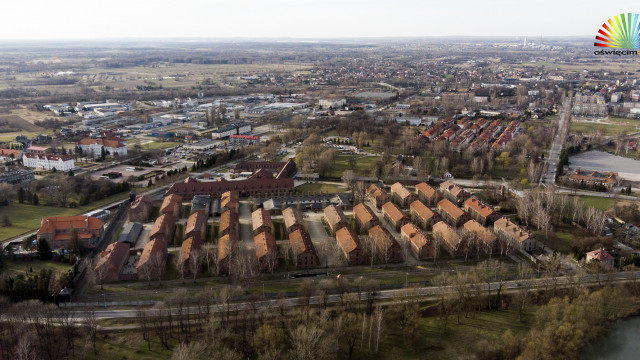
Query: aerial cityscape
point(259, 193)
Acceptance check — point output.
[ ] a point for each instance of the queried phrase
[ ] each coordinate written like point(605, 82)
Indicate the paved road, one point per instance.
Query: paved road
point(325, 245)
point(423, 292)
point(246, 227)
point(549, 176)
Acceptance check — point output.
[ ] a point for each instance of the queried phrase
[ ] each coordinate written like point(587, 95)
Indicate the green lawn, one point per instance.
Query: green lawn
point(17, 267)
point(362, 168)
point(598, 202)
point(318, 187)
point(154, 145)
point(25, 217)
point(608, 130)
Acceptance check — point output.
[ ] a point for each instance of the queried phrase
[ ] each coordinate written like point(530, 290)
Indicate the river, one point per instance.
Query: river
point(621, 342)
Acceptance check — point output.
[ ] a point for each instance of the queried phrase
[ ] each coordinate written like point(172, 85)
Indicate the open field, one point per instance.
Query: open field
point(362, 168)
point(598, 202)
point(8, 136)
point(321, 187)
point(25, 217)
point(151, 143)
point(33, 116)
point(628, 169)
point(16, 122)
point(19, 267)
point(607, 129)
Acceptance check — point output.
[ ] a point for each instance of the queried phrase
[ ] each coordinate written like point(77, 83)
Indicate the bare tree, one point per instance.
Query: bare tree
point(91, 329)
point(158, 263)
point(378, 321)
point(180, 264)
point(349, 177)
point(195, 260)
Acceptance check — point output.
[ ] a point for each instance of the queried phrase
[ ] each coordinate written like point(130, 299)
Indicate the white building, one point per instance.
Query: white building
point(48, 161)
point(112, 146)
point(332, 103)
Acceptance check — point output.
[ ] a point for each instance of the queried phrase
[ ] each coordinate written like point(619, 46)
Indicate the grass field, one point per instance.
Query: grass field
point(25, 217)
point(8, 136)
point(17, 267)
point(598, 202)
point(155, 145)
point(362, 168)
point(319, 187)
point(607, 130)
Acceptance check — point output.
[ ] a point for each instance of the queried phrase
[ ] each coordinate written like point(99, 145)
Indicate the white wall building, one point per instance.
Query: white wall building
point(112, 146)
point(48, 161)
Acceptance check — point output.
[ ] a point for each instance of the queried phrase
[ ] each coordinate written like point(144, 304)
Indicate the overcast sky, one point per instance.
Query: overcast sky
point(93, 19)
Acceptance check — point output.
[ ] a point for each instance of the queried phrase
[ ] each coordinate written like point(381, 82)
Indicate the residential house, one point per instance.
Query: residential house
point(57, 231)
point(228, 246)
point(111, 261)
point(401, 195)
point(601, 256)
point(488, 241)
point(452, 214)
point(230, 200)
point(152, 262)
point(334, 217)
point(350, 244)
point(428, 194)
point(196, 227)
point(512, 232)
point(261, 221)
point(293, 219)
point(422, 215)
point(365, 217)
point(111, 146)
point(229, 223)
point(394, 215)
point(187, 251)
point(302, 249)
point(453, 192)
point(604, 178)
point(408, 231)
point(266, 250)
point(172, 204)
point(387, 247)
point(449, 238)
point(421, 247)
point(163, 228)
point(377, 195)
point(480, 211)
point(140, 209)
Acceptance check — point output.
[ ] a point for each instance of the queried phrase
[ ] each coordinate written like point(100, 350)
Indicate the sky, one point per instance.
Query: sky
point(300, 19)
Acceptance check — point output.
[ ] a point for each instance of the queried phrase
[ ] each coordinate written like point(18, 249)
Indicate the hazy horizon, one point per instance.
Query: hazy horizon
point(40, 20)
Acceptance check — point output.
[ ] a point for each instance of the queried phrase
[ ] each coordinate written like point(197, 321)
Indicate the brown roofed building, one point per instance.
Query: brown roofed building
point(335, 218)
point(387, 247)
point(229, 222)
point(421, 247)
point(189, 246)
point(260, 184)
point(140, 209)
point(488, 239)
point(302, 250)
point(452, 214)
point(377, 195)
point(172, 204)
point(480, 211)
point(230, 200)
point(401, 195)
point(152, 262)
point(408, 231)
point(228, 246)
point(512, 232)
point(421, 214)
point(394, 215)
point(111, 261)
point(350, 244)
point(58, 230)
point(196, 226)
point(261, 222)
point(266, 250)
point(604, 178)
point(449, 238)
point(428, 194)
point(602, 256)
point(163, 228)
point(365, 217)
point(454, 192)
point(293, 219)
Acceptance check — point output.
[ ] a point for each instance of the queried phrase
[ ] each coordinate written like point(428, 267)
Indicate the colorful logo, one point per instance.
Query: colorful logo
point(622, 32)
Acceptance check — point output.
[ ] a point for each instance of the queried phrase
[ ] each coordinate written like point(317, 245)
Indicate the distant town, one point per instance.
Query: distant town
point(392, 199)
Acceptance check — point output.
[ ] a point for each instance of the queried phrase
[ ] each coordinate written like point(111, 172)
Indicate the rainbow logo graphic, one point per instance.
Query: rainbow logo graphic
point(622, 32)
